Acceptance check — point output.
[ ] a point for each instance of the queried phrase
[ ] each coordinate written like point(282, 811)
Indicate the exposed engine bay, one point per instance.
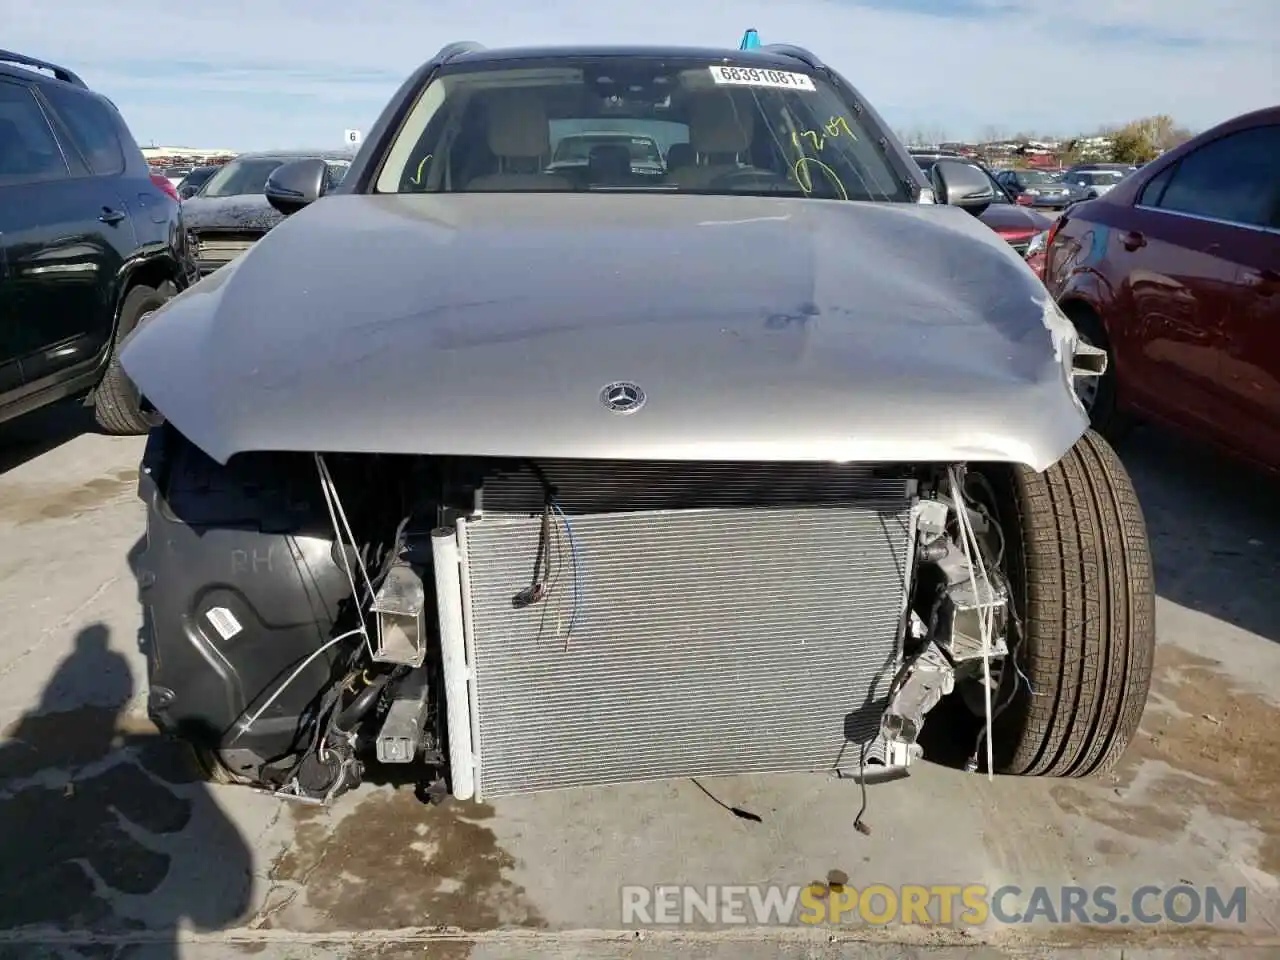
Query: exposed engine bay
point(493, 627)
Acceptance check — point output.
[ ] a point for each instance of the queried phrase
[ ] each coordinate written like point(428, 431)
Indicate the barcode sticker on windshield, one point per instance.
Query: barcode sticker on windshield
point(224, 621)
point(756, 77)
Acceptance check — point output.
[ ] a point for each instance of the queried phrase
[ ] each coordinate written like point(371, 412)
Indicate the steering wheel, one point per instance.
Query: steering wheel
point(748, 178)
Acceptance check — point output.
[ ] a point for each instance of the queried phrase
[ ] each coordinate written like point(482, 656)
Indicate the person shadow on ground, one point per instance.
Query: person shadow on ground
point(109, 833)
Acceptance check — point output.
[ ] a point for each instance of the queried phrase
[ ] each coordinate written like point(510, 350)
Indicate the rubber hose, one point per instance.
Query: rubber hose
point(363, 703)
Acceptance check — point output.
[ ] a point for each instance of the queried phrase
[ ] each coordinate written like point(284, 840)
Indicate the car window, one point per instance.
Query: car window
point(94, 128)
point(641, 147)
point(718, 129)
point(1234, 178)
point(198, 176)
point(241, 177)
point(28, 151)
point(337, 171)
point(1154, 189)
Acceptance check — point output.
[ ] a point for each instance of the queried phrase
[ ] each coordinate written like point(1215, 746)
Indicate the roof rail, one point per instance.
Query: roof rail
point(62, 73)
point(451, 50)
point(796, 53)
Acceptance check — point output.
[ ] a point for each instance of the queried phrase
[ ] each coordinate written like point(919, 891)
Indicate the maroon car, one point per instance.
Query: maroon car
point(1176, 274)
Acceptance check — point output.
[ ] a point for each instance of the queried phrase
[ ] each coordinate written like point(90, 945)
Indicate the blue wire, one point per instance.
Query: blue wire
point(577, 567)
point(1025, 679)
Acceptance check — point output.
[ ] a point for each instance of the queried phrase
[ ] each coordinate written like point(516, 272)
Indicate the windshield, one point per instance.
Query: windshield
point(240, 177)
point(1034, 178)
point(633, 124)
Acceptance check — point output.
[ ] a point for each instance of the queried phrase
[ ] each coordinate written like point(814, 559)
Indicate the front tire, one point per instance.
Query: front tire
point(1080, 568)
point(118, 406)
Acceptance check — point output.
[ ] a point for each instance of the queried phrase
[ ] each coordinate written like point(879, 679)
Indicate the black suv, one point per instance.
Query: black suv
point(88, 245)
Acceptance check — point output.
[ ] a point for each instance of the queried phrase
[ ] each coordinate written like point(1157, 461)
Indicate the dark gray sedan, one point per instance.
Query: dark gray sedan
point(1037, 188)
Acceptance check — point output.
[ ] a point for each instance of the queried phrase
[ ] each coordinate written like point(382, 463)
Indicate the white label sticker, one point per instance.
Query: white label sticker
point(224, 621)
point(756, 77)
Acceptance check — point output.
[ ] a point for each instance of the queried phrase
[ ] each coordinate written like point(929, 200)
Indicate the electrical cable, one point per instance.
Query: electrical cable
point(973, 555)
point(858, 824)
point(577, 573)
point(244, 727)
point(738, 812)
point(342, 513)
point(552, 585)
point(330, 493)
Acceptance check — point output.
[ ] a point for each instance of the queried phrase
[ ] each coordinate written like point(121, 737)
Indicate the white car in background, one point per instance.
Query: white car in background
point(1097, 182)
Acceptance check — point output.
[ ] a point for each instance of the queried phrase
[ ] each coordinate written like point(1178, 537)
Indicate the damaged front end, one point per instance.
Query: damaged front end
point(495, 627)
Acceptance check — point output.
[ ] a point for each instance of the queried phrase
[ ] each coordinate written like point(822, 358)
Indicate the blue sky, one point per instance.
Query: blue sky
point(273, 73)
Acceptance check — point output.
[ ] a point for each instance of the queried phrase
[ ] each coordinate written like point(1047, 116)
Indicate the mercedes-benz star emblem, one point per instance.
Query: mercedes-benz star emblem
point(622, 397)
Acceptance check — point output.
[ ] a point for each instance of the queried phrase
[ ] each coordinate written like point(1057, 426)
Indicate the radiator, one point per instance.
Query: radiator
point(703, 619)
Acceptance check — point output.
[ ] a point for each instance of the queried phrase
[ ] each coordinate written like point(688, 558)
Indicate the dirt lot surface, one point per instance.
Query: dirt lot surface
point(111, 846)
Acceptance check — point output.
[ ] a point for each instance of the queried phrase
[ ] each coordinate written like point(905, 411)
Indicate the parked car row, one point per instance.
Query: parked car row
point(1040, 189)
point(230, 212)
point(1024, 229)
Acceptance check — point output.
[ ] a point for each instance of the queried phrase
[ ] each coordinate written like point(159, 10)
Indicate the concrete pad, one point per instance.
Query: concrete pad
point(108, 834)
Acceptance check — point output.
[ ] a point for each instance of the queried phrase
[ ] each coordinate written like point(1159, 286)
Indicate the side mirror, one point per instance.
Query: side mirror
point(295, 184)
point(960, 184)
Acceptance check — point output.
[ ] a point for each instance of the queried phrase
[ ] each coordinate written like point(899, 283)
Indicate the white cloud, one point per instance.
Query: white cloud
point(259, 74)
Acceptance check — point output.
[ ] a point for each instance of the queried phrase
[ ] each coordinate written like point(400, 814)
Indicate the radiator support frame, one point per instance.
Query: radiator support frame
point(471, 531)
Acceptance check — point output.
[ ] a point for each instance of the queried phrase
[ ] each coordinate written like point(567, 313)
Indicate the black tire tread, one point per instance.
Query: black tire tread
point(116, 406)
point(1082, 566)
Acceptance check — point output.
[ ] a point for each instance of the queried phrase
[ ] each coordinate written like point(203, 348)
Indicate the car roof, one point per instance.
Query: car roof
point(17, 66)
point(26, 67)
point(765, 56)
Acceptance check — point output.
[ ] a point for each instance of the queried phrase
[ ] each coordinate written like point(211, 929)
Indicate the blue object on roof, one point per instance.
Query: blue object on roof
point(750, 41)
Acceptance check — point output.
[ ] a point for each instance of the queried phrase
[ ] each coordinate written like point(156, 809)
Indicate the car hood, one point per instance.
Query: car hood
point(1009, 217)
point(248, 213)
point(489, 325)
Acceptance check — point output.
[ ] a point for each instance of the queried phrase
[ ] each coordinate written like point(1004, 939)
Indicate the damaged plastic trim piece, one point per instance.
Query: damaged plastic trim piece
point(1088, 360)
